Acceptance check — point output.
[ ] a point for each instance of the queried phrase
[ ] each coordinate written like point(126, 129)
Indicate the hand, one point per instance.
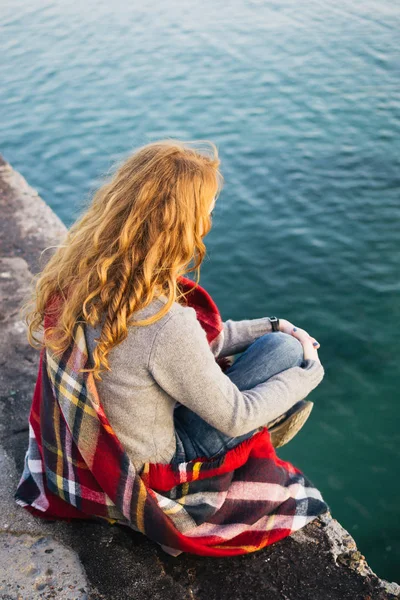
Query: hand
point(309, 350)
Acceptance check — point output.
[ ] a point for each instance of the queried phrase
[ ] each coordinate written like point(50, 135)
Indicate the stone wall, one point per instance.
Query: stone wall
point(78, 560)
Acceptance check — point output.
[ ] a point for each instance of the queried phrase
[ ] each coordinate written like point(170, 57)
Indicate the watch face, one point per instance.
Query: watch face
point(274, 323)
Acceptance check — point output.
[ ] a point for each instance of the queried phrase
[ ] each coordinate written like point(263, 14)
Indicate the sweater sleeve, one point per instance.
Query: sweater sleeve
point(183, 364)
point(236, 336)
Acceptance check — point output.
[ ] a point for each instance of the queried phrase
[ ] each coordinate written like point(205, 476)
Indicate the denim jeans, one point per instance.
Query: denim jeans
point(266, 356)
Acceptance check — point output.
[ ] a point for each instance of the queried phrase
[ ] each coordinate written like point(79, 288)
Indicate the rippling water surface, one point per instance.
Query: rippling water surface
point(303, 102)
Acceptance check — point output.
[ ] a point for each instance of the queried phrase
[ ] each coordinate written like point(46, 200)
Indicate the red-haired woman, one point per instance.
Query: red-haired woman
point(162, 389)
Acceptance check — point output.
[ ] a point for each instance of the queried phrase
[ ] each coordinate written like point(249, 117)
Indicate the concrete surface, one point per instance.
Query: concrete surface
point(97, 561)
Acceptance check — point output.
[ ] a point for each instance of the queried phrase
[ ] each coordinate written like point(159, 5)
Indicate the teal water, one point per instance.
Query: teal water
point(303, 102)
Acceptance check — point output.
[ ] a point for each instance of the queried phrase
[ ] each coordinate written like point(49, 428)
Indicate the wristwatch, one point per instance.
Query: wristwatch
point(274, 323)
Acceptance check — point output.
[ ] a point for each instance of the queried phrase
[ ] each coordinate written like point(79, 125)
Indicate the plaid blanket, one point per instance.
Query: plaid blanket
point(75, 467)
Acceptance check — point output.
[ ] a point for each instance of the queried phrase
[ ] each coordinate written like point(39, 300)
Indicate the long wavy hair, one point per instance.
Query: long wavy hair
point(138, 234)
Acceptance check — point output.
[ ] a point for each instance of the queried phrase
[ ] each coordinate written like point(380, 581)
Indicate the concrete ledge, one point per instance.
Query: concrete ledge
point(98, 561)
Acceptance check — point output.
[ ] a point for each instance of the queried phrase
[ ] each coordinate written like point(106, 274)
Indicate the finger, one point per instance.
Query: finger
point(309, 350)
point(303, 334)
point(304, 338)
point(298, 331)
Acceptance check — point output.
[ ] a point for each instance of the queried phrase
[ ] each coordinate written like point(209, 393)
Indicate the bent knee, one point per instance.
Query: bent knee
point(291, 346)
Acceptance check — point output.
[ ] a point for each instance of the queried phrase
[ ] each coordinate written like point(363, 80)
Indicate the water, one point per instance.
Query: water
point(303, 102)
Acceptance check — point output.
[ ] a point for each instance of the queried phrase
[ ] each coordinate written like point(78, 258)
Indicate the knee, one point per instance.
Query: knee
point(290, 346)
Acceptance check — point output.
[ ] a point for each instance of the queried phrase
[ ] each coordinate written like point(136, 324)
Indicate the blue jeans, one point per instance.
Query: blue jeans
point(266, 356)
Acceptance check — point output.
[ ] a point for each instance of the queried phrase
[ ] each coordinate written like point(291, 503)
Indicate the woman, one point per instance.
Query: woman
point(163, 389)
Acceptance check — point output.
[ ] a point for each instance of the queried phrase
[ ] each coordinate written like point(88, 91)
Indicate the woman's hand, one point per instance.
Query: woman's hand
point(309, 349)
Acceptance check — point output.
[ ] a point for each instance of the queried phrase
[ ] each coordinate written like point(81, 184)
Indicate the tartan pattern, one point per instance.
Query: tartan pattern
point(75, 467)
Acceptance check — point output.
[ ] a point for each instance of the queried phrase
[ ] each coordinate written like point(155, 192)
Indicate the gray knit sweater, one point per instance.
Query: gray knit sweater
point(171, 361)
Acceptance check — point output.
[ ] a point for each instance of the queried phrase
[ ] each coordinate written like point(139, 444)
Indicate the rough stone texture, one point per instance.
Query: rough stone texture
point(100, 561)
point(38, 565)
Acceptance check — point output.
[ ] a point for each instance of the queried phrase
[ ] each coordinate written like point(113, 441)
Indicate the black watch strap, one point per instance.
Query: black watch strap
point(274, 323)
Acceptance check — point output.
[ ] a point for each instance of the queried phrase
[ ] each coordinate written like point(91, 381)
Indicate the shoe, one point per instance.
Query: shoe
point(285, 427)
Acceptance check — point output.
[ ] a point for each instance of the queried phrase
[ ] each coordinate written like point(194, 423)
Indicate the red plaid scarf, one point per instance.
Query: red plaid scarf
point(75, 467)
